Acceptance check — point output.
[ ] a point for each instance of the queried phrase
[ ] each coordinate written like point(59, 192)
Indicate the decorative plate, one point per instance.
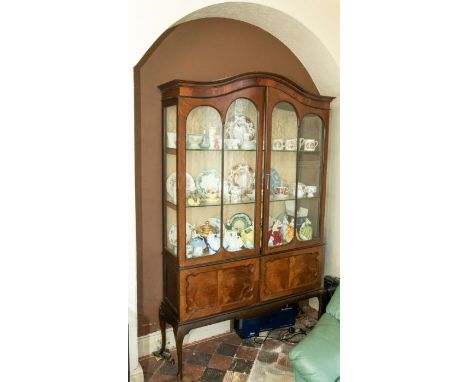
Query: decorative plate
point(241, 128)
point(243, 176)
point(208, 182)
point(239, 222)
point(275, 180)
point(305, 232)
point(172, 235)
point(171, 184)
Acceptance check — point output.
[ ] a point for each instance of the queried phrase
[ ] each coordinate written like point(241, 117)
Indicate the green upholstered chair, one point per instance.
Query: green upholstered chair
point(317, 357)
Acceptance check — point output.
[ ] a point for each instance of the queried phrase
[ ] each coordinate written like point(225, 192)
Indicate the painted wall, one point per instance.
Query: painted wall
point(205, 49)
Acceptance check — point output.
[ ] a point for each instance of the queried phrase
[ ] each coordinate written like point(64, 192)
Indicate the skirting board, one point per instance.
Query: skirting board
point(136, 375)
point(152, 342)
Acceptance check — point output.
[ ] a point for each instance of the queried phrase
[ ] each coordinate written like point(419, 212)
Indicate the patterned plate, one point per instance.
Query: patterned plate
point(239, 222)
point(243, 176)
point(208, 182)
point(171, 184)
point(172, 235)
point(305, 232)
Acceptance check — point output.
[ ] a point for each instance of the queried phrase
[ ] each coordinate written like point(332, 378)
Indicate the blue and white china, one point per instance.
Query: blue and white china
point(214, 242)
point(198, 244)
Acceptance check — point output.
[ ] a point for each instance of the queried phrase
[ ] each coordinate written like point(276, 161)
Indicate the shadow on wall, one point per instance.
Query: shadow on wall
point(203, 50)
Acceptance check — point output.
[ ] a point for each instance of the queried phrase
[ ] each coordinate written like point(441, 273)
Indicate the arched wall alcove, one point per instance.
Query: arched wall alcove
point(204, 49)
point(216, 41)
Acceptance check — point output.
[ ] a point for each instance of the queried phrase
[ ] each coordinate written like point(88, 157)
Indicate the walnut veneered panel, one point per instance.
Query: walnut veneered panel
point(217, 288)
point(288, 273)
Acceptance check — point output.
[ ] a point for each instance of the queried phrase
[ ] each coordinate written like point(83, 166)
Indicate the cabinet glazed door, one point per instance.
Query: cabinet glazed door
point(220, 152)
point(295, 171)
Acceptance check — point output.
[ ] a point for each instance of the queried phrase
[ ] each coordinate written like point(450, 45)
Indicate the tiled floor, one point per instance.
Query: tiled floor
point(229, 358)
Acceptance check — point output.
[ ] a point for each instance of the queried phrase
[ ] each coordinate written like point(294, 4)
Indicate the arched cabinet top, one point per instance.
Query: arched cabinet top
point(199, 89)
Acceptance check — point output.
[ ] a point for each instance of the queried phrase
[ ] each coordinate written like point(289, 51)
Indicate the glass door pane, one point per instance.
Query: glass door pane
point(170, 174)
point(203, 156)
point(309, 186)
point(284, 128)
point(240, 166)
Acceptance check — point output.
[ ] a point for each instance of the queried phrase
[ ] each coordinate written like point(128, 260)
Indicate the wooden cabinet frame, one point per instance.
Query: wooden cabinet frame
point(204, 290)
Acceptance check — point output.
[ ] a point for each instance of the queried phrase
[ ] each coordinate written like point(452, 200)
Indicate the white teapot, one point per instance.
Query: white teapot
point(232, 242)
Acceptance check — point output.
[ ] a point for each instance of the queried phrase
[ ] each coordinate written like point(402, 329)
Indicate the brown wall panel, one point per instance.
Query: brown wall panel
point(202, 50)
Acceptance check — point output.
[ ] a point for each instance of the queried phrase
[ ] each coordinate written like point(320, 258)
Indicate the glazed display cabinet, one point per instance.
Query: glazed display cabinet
point(244, 164)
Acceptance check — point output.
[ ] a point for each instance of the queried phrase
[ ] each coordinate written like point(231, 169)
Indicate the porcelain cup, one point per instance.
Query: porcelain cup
point(310, 144)
point(291, 144)
point(281, 190)
point(278, 144)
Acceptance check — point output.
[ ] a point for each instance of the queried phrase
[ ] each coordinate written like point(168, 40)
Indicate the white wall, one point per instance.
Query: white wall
point(310, 28)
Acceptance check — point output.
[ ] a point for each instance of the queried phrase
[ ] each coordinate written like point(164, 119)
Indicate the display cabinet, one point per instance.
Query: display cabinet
point(244, 164)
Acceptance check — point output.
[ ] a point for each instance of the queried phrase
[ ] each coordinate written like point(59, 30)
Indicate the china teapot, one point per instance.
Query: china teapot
point(232, 241)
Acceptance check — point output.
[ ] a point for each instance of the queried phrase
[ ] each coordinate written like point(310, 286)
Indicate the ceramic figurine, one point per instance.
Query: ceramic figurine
point(214, 242)
point(232, 241)
point(206, 140)
point(248, 236)
point(290, 234)
point(285, 229)
point(275, 234)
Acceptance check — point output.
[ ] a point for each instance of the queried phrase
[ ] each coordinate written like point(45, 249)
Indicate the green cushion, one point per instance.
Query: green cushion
point(333, 307)
point(317, 357)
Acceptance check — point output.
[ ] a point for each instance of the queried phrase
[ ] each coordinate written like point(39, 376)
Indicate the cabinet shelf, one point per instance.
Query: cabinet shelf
point(219, 204)
point(292, 198)
point(295, 151)
point(218, 150)
point(174, 206)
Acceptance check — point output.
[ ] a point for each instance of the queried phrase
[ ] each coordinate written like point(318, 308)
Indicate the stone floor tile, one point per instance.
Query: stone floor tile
point(287, 348)
point(232, 339)
point(207, 347)
point(272, 346)
point(187, 353)
point(163, 378)
point(150, 365)
point(251, 343)
point(227, 349)
point(193, 372)
point(168, 368)
point(199, 358)
point(220, 362)
point(234, 376)
point(246, 352)
point(241, 365)
point(213, 375)
point(283, 360)
point(267, 357)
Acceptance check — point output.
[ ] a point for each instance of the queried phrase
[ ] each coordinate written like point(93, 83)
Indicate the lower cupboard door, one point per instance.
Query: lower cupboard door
point(217, 288)
point(286, 274)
